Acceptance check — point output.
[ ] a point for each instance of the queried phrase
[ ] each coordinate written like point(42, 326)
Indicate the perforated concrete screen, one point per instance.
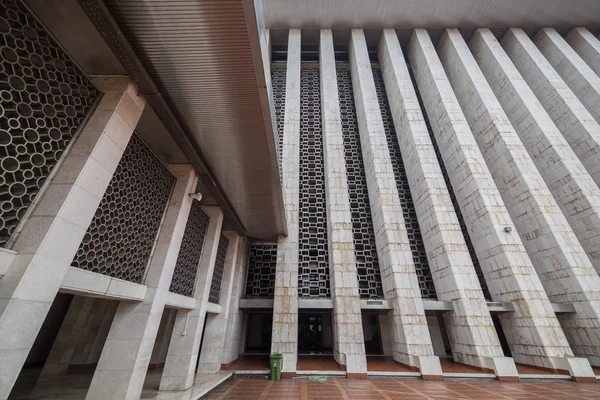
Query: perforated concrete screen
point(463, 227)
point(121, 236)
point(365, 249)
point(186, 267)
point(278, 76)
point(215, 285)
point(313, 268)
point(262, 265)
point(408, 208)
point(44, 99)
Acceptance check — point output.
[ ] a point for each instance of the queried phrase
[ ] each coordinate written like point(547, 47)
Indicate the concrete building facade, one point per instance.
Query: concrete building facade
point(190, 189)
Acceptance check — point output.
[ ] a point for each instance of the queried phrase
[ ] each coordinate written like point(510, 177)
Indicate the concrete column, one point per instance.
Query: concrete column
point(385, 327)
point(532, 330)
point(470, 326)
point(570, 116)
point(182, 356)
point(587, 46)
point(579, 76)
point(284, 339)
point(161, 345)
point(91, 352)
point(72, 328)
point(571, 185)
point(412, 342)
point(51, 236)
point(126, 354)
point(348, 340)
point(216, 324)
point(560, 261)
point(234, 322)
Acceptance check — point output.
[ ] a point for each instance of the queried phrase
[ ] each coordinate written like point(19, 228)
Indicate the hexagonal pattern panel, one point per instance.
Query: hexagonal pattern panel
point(262, 265)
point(313, 268)
point(44, 99)
point(365, 249)
point(186, 267)
point(121, 236)
point(217, 278)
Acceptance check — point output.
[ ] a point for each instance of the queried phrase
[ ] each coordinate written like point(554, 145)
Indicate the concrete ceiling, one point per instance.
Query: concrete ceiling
point(434, 14)
point(201, 62)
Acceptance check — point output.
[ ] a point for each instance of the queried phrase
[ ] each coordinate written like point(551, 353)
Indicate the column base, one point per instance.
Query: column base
point(503, 367)
point(579, 369)
point(356, 375)
point(430, 368)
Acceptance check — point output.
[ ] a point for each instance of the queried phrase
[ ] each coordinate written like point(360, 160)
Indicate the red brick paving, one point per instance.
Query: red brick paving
point(385, 364)
point(318, 363)
point(337, 388)
point(530, 369)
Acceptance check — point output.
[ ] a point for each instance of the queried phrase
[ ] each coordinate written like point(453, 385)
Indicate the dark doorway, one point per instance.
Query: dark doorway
point(314, 333)
point(258, 333)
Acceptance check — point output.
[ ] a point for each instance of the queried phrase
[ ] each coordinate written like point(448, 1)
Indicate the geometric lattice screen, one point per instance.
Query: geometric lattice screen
point(44, 99)
point(461, 221)
point(217, 278)
point(278, 76)
point(262, 265)
point(365, 249)
point(184, 275)
point(313, 263)
point(409, 213)
point(121, 235)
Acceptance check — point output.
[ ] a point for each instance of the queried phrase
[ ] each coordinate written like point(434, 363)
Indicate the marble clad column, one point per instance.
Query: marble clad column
point(572, 187)
point(570, 116)
point(532, 330)
point(576, 73)
point(72, 328)
point(348, 339)
point(216, 324)
point(470, 326)
point(122, 367)
point(234, 322)
point(412, 342)
point(284, 339)
point(587, 46)
point(52, 234)
point(180, 365)
point(557, 256)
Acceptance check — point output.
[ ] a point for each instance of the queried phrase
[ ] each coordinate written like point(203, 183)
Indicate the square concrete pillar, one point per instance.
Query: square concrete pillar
point(587, 46)
point(571, 185)
point(284, 339)
point(532, 330)
point(180, 365)
point(233, 337)
point(411, 335)
point(51, 235)
point(348, 340)
point(215, 332)
point(470, 326)
point(122, 367)
point(576, 73)
point(564, 269)
point(567, 112)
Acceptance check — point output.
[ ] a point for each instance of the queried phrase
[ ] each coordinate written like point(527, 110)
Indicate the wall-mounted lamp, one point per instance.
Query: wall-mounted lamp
point(508, 229)
point(197, 196)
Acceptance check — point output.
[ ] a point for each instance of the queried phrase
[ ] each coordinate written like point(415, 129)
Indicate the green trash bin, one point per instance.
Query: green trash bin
point(276, 366)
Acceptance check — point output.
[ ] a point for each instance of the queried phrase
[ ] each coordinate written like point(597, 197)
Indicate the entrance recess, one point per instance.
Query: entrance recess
point(314, 333)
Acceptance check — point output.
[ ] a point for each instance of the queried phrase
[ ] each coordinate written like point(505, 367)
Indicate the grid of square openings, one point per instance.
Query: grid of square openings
point(365, 249)
point(262, 265)
point(461, 221)
point(408, 207)
point(313, 268)
point(278, 76)
point(214, 295)
point(184, 275)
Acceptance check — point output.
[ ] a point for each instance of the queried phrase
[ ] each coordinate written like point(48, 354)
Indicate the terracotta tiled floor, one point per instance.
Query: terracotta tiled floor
point(318, 363)
point(386, 364)
point(396, 389)
point(596, 370)
point(449, 366)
